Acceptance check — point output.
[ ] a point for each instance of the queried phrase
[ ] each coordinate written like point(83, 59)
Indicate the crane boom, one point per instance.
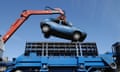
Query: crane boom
point(25, 14)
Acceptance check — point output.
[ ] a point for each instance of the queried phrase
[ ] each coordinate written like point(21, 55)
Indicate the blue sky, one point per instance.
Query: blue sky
point(98, 18)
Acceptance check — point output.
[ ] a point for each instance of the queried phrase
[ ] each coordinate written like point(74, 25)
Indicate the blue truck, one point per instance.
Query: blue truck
point(64, 57)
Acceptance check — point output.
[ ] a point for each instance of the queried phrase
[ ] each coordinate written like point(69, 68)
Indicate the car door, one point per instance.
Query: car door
point(64, 29)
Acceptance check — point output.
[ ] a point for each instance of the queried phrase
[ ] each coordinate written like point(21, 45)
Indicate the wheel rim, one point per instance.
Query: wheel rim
point(45, 29)
point(76, 36)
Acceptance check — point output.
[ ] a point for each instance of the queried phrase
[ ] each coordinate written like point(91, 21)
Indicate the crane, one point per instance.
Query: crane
point(24, 16)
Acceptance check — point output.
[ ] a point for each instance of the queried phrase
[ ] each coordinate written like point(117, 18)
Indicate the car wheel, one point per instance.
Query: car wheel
point(45, 28)
point(76, 36)
point(46, 35)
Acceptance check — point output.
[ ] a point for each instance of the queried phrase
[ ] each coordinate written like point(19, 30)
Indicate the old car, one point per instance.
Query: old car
point(58, 28)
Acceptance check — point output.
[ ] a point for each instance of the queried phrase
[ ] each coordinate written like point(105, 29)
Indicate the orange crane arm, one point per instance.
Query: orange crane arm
point(25, 15)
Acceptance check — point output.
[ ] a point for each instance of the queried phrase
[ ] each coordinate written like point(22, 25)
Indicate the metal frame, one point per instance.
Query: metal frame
point(54, 63)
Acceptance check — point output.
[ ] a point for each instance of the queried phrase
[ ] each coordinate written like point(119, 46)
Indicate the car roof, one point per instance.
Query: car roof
point(59, 22)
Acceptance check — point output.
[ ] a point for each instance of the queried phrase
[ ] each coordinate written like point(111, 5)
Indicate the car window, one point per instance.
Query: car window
point(66, 23)
point(56, 21)
point(61, 22)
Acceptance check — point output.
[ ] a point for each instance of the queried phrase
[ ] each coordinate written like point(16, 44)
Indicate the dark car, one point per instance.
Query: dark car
point(61, 29)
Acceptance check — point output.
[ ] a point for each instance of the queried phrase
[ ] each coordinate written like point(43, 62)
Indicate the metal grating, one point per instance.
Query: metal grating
point(89, 49)
point(61, 49)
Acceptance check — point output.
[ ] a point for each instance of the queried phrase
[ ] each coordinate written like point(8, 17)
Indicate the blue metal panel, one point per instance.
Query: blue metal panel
point(108, 59)
point(28, 65)
point(97, 64)
point(62, 61)
point(44, 59)
point(29, 58)
point(61, 28)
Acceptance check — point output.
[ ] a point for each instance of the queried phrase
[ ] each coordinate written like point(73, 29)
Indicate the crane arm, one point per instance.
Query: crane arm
point(25, 15)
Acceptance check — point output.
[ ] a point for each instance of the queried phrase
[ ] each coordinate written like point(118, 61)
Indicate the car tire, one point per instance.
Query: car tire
point(76, 36)
point(46, 35)
point(45, 28)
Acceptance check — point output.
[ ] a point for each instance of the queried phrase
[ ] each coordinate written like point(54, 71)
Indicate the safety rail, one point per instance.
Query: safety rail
point(61, 49)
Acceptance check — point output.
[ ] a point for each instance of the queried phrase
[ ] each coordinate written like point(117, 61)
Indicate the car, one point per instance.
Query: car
point(62, 29)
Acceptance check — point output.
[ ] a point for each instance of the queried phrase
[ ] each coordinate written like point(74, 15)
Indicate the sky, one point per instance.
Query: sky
point(98, 18)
